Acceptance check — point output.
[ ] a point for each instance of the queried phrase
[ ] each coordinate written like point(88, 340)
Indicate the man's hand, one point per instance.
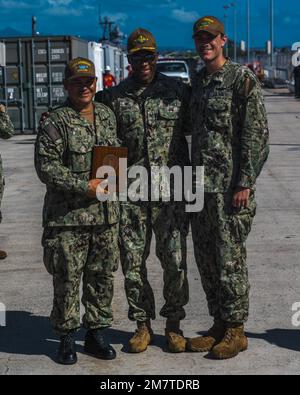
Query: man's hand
point(93, 185)
point(241, 197)
point(2, 108)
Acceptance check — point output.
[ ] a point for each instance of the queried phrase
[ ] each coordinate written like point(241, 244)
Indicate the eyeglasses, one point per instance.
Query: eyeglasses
point(139, 59)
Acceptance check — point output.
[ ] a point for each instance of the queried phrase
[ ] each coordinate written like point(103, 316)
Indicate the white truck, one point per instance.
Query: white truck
point(177, 69)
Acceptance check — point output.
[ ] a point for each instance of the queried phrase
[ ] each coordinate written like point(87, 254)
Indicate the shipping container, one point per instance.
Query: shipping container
point(96, 55)
point(124, 66)
point(32, 80)
point(116, 58)
point(118, 64)
point(2, 55)
point(109, 57)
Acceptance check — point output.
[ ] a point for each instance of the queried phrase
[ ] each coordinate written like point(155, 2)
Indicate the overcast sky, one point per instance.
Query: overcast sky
point(170, 20)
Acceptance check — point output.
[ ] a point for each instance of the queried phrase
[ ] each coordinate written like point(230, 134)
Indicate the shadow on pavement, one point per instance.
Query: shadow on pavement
point(25, 142)
point(283, 338)
point(28, 334)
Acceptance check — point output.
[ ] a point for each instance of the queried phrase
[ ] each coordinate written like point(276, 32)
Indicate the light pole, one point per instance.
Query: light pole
point(272, 30)
point(226, 7)
point(233, 5)
point(248, 31)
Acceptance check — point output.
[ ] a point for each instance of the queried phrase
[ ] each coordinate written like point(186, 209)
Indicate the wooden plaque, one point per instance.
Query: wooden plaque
point(108, 156)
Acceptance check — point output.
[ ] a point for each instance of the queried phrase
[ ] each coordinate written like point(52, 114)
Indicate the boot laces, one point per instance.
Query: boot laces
point(99, 339)
point(229, 335)
point(68, 342)
point(141, 331)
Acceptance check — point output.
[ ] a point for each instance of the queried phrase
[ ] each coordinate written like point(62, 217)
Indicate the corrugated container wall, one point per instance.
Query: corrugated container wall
point(117, 60)
point(32, 80)
point(2, 55)
point(125, 64)
point(96, 55)
point(109, 57)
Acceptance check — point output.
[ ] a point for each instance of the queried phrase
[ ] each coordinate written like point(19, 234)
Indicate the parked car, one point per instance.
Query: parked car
point(174, 68)
point(274, 83)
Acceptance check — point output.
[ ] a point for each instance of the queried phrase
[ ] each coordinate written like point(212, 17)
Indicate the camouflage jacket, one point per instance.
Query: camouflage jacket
point(6, 126)
point(63, 161)
point(230, 129)
point(6, 132)
point(151, 122)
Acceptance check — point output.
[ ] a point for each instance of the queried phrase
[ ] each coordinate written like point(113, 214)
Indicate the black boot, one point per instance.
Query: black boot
point(66, 353)
point(3, 255)
point(96, 345)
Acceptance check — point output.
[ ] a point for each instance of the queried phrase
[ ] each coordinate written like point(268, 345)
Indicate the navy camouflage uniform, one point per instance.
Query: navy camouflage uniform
point(80, 233)
point(150, 122)
point(6, 132)
point(230, 139)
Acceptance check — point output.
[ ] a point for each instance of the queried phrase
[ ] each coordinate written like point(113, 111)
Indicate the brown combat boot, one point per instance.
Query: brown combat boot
point(142, 338)
point(209, 340)
point(233, 343)
point(175, 339)
point(3, 255)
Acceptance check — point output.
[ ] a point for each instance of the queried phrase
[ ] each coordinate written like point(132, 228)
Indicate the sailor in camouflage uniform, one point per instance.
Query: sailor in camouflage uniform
point(150, 109)
point(6, 132)
point(81, 233)
point(230, 139)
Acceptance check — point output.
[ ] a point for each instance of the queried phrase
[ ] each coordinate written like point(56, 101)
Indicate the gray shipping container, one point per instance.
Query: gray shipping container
point(32, 80)
point(116, 59)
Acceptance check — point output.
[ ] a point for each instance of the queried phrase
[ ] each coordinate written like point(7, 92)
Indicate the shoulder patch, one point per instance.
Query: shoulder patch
point(248, 85)
point(52, 132)
point(246, 81)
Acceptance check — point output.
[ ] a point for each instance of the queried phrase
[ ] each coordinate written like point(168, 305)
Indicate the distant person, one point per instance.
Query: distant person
point(6, 132)
point(108, 79)
point(259, 71)
point(251, 67)
point(296, 73)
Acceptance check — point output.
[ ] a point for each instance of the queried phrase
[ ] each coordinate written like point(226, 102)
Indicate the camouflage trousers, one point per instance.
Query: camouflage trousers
point(219, 235)
point(69, 254)
point(170, 227)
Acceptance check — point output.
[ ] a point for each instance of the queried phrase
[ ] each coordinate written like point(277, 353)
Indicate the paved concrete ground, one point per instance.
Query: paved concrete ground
point(27, 345)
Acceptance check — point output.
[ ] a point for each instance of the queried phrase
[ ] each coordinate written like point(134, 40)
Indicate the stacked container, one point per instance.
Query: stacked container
point(32, 81)
point(32, 72)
